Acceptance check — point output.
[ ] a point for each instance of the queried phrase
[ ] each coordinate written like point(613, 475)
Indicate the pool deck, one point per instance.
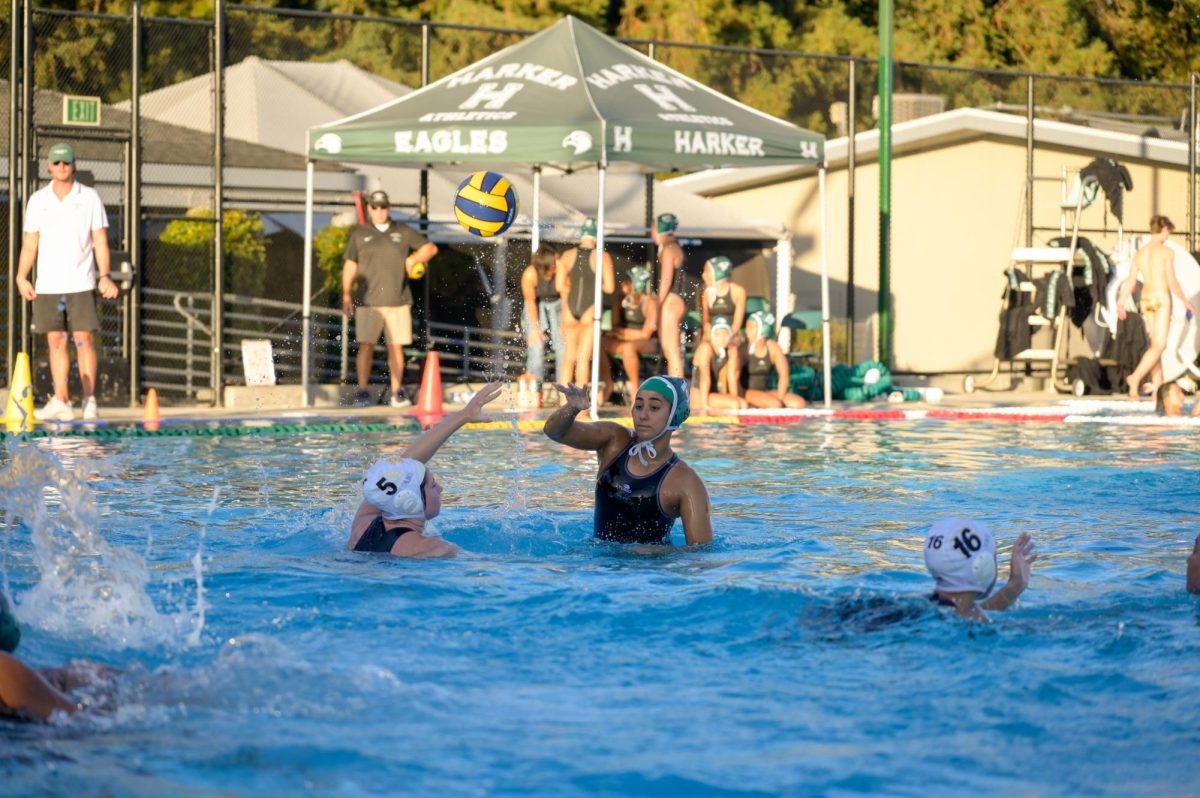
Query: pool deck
point(1016, 405)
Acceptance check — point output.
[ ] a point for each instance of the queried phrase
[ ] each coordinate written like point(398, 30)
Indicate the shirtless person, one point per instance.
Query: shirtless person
point(1155, 264)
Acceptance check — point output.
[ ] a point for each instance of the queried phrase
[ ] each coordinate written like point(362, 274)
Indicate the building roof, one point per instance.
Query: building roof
point(961, 124)
point(273, 103)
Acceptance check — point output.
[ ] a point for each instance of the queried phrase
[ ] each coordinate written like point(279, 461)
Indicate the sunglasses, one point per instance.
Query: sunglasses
point(60, 163)
point(376, 205)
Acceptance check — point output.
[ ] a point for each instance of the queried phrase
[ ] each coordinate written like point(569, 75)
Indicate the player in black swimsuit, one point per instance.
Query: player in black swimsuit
point(715, 368)
point(400, 494)
point(722, 297)
point(576, 282)
point(763, 359)
point(635, 322)
point(642, 485)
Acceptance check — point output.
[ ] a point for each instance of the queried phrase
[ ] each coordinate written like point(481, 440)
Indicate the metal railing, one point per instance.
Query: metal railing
point(177, 343)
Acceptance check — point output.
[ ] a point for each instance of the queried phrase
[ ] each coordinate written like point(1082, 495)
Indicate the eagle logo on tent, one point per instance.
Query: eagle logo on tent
point(329, 142)
point(579, 140)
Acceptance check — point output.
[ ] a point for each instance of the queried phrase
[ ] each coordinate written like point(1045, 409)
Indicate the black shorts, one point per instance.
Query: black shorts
point(65, 313)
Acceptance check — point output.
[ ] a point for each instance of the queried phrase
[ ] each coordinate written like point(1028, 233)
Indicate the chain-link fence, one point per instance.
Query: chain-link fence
point(157, 173)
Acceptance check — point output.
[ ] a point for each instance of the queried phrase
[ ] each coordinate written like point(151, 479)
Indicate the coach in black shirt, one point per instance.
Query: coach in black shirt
point(382, 255)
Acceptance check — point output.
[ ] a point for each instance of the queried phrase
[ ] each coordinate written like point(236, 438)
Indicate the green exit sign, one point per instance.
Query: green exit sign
point(81, 110)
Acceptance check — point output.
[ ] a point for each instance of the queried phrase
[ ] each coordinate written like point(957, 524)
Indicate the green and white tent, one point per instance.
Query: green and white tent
point(566, 98)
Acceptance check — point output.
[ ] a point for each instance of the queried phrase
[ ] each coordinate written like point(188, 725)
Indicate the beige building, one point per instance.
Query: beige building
point(958, 182)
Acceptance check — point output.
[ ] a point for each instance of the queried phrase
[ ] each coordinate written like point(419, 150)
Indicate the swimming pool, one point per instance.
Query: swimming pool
point(793, 657)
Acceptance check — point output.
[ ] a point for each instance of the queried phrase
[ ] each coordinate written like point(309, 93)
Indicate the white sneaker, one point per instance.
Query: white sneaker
point(400, 400)
point(90, 411)
point(55, 410)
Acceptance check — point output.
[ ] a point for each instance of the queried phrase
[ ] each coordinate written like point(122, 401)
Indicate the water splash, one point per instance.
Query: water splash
point(198, 570)
point(86, 586)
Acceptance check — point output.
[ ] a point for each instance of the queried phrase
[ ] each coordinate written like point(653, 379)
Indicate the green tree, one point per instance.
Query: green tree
point(188, 246)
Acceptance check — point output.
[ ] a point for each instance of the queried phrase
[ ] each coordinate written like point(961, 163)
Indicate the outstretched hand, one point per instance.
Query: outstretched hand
point(473, 410)
point(576, 397)
point(1022, 558)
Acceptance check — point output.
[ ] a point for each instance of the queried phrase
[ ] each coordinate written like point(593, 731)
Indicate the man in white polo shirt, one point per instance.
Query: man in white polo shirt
point(66, 234)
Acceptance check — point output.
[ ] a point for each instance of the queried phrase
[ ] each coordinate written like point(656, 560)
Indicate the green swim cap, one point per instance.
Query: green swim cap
point(640, 277)
point(588, 228)
point(765, 321)
point(675, 391)
point(666, 223)
point(10, 630)
point(721, 323)
point(721, 267)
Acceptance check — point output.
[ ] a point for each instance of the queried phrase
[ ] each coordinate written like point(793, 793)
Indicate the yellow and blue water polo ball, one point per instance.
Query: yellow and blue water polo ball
point(485, 204)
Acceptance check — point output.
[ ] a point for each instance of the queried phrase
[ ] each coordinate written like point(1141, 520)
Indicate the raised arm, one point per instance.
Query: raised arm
point(429, 441)
point(562, 427)
point(1018, 577)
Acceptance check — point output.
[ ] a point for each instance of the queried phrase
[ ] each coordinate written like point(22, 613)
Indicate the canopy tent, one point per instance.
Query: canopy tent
point(566, 98)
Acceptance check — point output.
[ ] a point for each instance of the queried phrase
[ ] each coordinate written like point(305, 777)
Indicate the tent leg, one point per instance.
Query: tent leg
point(597, 309)
point(536, 228)
point(826, 357)
point(306, 313)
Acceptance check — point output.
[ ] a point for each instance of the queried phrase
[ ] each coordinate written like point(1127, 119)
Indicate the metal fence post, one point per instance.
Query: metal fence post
point(134, 207)
point(218, 321)
point(423, 201)
point(885, 180)
point(27, 156)
point(1192, 143)
point(1029, 110)
point(851, 153)
point(14, 198)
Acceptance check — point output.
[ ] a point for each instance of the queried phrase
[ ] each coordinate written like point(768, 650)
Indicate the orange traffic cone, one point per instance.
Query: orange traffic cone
point(151, 417)
point(430, 400)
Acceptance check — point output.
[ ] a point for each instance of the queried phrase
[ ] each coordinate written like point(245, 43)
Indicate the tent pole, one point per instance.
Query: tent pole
point(826, 357)
point(534, 233)
point(597, 309)
point(306, 313)
point(783, 276)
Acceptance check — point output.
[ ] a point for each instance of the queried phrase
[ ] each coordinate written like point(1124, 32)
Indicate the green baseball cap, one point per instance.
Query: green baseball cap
point(61, 152)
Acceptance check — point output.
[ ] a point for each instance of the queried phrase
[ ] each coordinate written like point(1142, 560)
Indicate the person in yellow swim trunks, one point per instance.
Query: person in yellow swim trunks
point(1154, 265)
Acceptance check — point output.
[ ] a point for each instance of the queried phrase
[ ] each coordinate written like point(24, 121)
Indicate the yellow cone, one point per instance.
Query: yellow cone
point(18, 413)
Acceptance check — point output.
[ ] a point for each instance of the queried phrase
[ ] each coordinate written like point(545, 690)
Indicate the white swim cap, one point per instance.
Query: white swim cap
point(394, 486)
point(961, 556)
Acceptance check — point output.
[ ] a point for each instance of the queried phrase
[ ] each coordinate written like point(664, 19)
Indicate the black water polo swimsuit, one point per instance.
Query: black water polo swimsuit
point(378, 540)
point(722, 305)
point(759, 370)
point(628, 509)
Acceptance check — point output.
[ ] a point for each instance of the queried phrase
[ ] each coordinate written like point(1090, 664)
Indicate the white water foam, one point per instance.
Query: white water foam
point(86, 586)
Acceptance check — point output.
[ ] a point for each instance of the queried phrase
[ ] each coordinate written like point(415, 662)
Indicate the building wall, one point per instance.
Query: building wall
point(956, 214)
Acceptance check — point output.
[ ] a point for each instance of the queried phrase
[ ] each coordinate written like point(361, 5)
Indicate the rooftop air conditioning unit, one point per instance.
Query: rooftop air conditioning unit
point(911, 106)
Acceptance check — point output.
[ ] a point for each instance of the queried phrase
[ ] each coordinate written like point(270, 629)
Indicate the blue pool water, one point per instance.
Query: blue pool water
point(795, 656)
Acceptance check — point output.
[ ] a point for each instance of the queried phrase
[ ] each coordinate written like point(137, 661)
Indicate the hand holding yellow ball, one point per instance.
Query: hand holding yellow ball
point(415, 269)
